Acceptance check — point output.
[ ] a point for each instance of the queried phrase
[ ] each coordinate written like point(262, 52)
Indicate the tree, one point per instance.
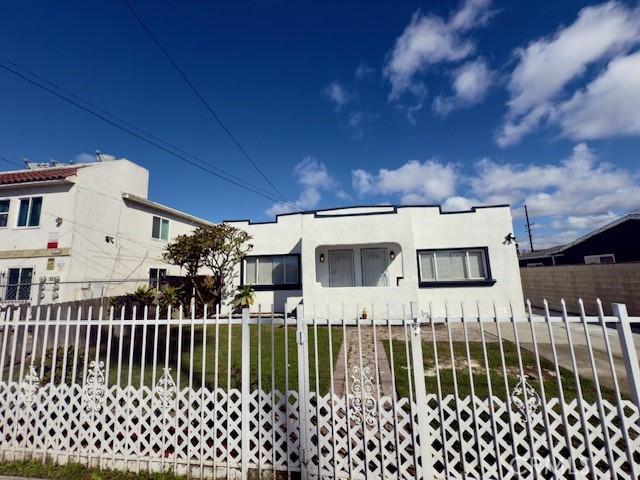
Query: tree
point(218, 247)
point(187, 252)
point(224, 247)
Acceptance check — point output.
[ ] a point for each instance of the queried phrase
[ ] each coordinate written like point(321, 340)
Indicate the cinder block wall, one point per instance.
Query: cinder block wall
point(617, 283)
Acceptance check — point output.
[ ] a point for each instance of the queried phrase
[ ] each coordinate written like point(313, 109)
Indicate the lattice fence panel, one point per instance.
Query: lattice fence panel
point(141, 428)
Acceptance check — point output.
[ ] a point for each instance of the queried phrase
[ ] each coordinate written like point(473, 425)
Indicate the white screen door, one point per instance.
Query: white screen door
point(374, 267)
point(341, 270)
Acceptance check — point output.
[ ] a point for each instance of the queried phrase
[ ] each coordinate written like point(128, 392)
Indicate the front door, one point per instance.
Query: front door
point(374, 267)
point(341, 270)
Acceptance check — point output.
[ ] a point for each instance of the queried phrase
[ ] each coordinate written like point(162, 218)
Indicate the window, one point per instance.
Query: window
point(606, 258)
point(4, 213)
point(374, 267)
point(160, 229)
point(272, 271)
point(157, 277)
point(464, 266)
point(29, 213)
point(19, 284)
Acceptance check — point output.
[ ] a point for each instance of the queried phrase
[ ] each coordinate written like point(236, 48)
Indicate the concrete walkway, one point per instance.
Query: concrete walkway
point(369, 361)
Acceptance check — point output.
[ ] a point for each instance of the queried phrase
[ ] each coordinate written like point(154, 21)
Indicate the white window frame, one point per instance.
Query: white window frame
point(590, 259)
point(274, 286)
point(486, 279)
point(7, 213)
point(162, 219)
point(27, 226)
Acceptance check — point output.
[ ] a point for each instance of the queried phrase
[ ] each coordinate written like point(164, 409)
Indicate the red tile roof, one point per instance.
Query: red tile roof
point(39, 175)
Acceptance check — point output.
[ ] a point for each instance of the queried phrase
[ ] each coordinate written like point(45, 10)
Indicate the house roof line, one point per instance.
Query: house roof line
point(36, 175)
point(391, 209)
point(164, 209)
point(587, 236)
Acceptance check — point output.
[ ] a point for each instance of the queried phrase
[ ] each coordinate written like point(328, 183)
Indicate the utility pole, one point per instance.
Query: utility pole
point(526, 214)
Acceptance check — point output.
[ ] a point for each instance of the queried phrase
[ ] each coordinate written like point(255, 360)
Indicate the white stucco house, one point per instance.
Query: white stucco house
point(82, 231)
point(379, 256)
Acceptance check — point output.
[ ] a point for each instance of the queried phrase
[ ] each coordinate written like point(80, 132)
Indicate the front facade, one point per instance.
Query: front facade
point(83, 231)
point(383, 256)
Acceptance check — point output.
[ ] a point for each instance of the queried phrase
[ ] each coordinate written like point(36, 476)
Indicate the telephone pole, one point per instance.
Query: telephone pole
point(526, 214)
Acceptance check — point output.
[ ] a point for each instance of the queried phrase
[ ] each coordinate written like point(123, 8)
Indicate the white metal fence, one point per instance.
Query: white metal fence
point(324, 396)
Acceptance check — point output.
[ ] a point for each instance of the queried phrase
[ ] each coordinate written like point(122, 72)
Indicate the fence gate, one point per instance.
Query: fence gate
point(352, 422)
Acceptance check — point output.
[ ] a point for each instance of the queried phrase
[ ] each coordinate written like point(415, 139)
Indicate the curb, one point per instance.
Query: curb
point(4, 477)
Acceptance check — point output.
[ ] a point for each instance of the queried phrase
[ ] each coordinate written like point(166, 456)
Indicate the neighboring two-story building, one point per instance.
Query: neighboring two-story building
point(82, 231)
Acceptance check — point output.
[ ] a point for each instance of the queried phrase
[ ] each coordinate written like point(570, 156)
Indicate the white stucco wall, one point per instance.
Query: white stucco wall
point(58, 201)
point(282, 237)
point(486, 227)
point(101, 210)
point(403, 230)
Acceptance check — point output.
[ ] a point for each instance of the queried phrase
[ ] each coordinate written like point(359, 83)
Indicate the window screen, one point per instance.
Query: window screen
point(452, 265)
point(272, 270)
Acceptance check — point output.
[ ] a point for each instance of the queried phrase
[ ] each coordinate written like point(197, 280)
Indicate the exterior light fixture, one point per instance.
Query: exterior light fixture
point(322, 258)
point(392, 254)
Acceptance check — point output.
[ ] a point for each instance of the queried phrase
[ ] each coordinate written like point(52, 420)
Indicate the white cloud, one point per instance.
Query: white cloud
point(574, 222)
point(580, 185)
point(364, 71)
point(314, 178)
point(551, 240)
point(413, 182)
point(362, 182)
point(547, 65)
point(428, 40)
point(457, 203)
point(471, 82)
point(359, 121)
point(85, 158)
point(337, 94)
point(608, 106)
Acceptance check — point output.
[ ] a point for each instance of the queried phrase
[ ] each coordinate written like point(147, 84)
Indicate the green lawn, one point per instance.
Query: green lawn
point(496, 375)
point(262, 339)
point(269, 342)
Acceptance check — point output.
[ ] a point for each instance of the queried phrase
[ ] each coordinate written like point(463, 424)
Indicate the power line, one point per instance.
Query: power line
point(201, 98)
point(128, 124)
point(5, 159)
point(134, 134)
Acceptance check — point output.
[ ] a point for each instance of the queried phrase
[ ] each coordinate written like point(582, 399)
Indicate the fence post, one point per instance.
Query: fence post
point(303, 388)
point(245, 389)
point(421, 395)
point(628, 351)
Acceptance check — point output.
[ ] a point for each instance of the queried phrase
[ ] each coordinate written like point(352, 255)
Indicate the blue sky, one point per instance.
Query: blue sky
point(459, 104)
